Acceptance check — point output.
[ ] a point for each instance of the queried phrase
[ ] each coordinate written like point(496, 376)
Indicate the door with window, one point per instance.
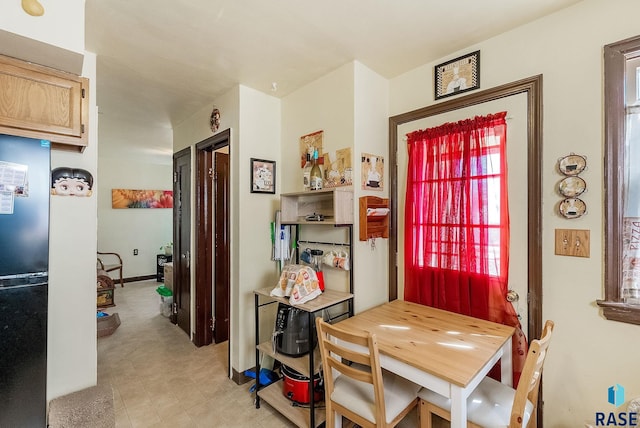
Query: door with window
point(516, 152)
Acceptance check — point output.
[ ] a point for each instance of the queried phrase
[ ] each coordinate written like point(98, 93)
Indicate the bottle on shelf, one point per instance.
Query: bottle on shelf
point(306, 174)
point(316, 264)
point(315, 176)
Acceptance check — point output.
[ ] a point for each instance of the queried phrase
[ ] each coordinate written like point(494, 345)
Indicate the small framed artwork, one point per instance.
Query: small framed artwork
point(457, 75)
point(372, 172)
point(308, 144)
point(263, 176)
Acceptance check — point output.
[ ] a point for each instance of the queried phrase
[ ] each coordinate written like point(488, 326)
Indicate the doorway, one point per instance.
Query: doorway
point(532, 89)
point(212, 240)
point(181, 313)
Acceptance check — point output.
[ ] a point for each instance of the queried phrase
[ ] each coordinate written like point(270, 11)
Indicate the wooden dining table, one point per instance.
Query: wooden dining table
point(446, 352)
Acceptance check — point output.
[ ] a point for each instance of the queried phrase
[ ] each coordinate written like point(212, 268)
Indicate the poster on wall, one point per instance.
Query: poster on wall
point(338, 170)
point(263, 176)
point(308, 144)
point(372, 172)
point(129, 198)
point(13, 183)
point(631, 259)
point(458, 75)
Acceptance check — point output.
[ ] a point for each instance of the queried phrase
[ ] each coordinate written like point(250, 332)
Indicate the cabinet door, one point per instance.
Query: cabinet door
point(39, 102)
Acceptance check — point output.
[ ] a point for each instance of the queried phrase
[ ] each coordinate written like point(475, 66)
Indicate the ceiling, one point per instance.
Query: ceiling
point(159, 62)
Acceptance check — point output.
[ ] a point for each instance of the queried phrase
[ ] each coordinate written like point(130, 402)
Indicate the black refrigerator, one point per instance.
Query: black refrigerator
point(24, 269)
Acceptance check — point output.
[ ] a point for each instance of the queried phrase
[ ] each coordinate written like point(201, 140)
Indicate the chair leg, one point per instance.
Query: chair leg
point(329, 415)
point(425, 416)
point(121, 279)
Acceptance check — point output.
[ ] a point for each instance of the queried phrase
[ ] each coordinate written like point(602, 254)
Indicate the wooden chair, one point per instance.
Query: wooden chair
point(355, 385)
point(115, 263)
point(494, 404)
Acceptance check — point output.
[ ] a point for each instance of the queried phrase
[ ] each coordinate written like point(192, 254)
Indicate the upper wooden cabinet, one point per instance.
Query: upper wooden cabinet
point(41, 102)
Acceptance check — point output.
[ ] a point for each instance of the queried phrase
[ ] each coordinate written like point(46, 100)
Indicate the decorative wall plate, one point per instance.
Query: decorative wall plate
point(572, 164)
point(214, 120)
point(571, 187)
point(572, 208)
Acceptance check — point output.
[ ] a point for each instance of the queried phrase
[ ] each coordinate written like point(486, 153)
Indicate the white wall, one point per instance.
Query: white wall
point(122, 230)
point(588, 353)
point(371, 135)
point(71, 345)
point(325, 104)
point(132, 156)
point(254, 119)
point(55, 39)
point(259, 138)
point(197, 128)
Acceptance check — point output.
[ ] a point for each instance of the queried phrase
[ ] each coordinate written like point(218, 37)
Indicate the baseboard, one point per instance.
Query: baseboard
point(139, 278)
point(240, 378)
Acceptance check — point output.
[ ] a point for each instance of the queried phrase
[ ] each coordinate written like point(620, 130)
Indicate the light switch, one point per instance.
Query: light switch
point(572, 242)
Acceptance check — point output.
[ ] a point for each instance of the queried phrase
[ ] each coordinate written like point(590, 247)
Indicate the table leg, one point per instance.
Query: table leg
point(506, 364)
point(458, 408)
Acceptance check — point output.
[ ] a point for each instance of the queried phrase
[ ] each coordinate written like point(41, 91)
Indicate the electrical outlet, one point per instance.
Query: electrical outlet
point(135, 252)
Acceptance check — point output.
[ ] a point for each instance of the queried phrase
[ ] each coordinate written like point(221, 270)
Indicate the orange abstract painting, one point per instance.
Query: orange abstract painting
point(127, 198)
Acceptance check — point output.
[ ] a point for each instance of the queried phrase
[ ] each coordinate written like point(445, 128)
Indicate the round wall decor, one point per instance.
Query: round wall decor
point(572, 164)
point(570, 187)
point(572, 208)
point(214, 120)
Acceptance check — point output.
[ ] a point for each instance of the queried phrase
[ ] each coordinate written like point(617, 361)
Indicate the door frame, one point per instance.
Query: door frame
point(532, 87)
point(203, 334)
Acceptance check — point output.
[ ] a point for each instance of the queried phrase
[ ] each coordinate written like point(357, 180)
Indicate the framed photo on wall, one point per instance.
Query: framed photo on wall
point(263, 176)
point(458, 75)
point(372, 172)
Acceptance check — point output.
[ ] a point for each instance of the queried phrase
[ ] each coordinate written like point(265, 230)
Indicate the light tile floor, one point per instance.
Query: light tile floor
point(160, 379)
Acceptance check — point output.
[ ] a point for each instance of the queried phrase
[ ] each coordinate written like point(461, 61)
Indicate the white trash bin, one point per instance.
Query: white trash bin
point(165, 305)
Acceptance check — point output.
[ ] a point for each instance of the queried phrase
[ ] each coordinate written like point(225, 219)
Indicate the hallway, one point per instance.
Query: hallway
point(160, 379)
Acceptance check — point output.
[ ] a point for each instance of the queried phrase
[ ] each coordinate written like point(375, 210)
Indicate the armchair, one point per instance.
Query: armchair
point(112, 262)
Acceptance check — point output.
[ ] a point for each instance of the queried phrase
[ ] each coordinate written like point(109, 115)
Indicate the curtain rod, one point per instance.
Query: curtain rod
point(506, 118)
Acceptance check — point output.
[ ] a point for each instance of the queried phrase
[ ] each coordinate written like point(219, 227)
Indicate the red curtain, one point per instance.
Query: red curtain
point(457, 223)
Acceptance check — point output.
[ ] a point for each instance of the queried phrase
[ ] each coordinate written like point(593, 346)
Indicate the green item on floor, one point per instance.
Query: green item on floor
point(164, 291)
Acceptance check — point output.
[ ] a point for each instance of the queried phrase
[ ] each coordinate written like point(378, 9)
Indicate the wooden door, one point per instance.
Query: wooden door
point(182, 239)
point(221, 251)
point(203, 334)
point(206, 257)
